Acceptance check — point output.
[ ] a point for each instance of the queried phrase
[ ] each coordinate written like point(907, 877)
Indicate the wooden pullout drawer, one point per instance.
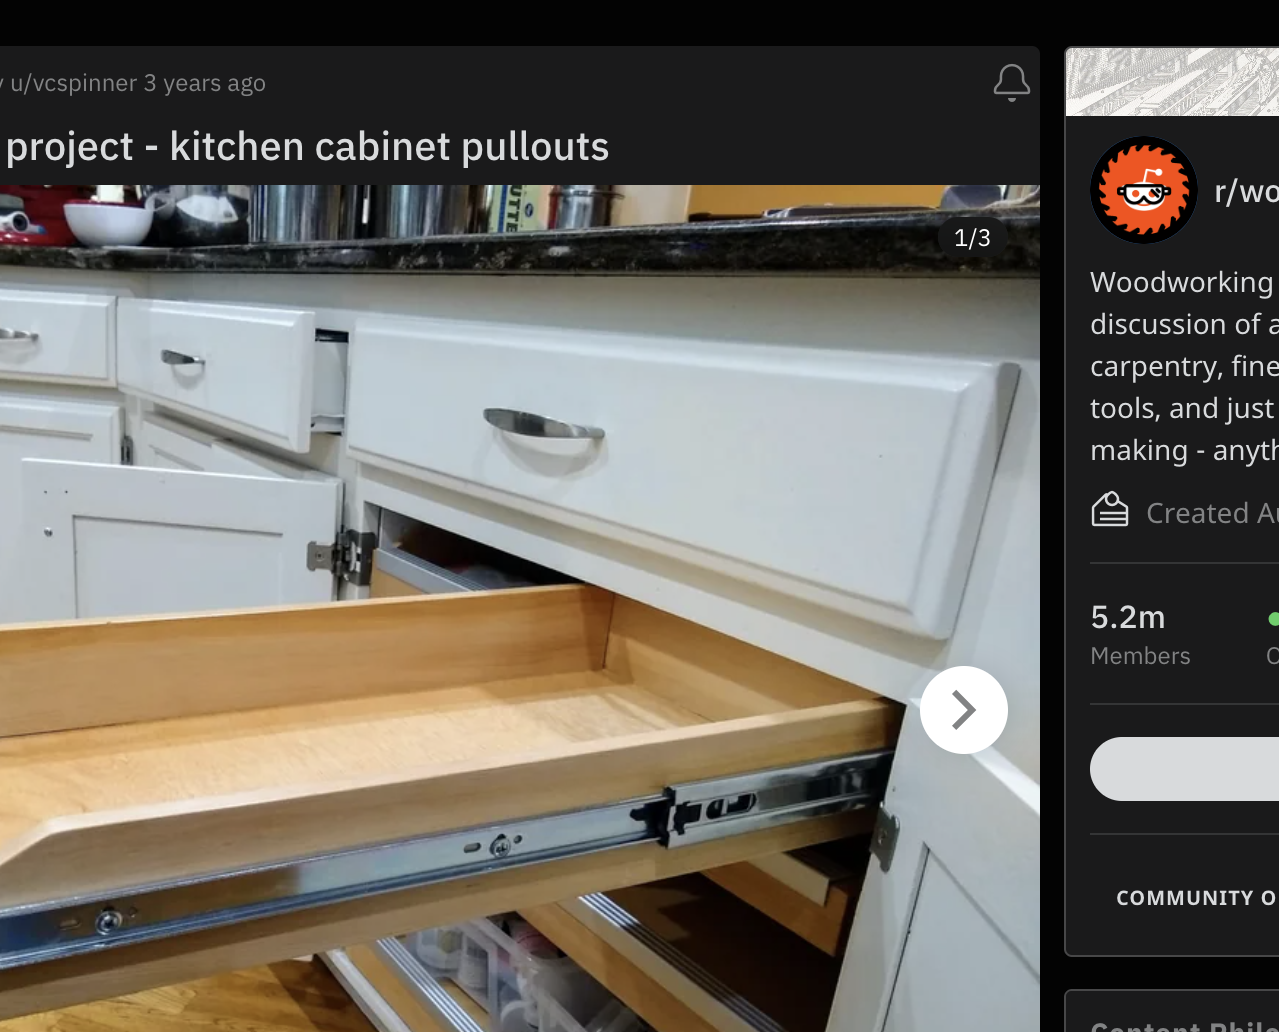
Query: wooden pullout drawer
point(345, 772)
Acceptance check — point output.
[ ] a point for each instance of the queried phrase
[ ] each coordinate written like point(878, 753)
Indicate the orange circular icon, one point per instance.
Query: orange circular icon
point(1144, 190)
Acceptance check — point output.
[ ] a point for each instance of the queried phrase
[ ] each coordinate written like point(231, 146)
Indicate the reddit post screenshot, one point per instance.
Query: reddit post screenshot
point(480, 607)
point(1172, 535)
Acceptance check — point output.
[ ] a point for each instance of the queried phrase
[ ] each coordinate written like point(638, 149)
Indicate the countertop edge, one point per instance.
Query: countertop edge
point(902, 245)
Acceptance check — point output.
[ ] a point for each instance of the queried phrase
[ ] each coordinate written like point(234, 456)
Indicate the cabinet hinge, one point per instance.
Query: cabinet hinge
point(126, 450)
point(883, 841)
point(350, 557)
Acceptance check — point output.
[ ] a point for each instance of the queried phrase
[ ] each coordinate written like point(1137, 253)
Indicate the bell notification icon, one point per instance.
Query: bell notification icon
point(1012, 83)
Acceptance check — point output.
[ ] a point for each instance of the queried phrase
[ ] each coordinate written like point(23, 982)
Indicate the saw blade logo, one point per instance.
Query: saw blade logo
point(1144, 190)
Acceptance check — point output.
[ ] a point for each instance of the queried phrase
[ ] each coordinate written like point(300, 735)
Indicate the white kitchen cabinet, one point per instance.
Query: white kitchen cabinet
point(848, 475)
point(51, 428)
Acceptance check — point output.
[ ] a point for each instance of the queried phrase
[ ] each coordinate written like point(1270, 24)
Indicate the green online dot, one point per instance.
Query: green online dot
point(1274, 619)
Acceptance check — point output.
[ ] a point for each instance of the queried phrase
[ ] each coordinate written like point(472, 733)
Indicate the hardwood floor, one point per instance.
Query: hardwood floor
point(292, 996)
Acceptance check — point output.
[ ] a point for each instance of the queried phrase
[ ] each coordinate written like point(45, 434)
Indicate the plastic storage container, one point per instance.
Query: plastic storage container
point(518, 977)
point(438, 949)
point(614, 1016)
point(515, 971)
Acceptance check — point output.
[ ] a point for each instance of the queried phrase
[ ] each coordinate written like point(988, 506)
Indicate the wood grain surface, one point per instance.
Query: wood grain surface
point(109, 973)
point(728, 678)
point(824, 925)
point(87, 673)
point(291, 996)
point(203, 833)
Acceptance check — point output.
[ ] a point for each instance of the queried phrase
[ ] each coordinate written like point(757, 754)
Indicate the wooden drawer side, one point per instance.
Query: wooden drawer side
point(91, 673)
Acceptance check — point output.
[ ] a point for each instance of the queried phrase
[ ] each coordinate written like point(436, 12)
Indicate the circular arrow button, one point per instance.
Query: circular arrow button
point(964, 709)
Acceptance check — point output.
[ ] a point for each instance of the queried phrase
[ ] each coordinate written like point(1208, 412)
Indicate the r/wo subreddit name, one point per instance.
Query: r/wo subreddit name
point(516, 145)
point(1248, 193)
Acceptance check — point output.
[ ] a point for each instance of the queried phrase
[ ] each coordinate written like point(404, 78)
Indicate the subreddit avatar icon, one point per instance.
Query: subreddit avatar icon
point(1144, 190)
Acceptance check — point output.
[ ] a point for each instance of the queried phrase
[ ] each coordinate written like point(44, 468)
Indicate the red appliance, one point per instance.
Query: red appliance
point(42, 206)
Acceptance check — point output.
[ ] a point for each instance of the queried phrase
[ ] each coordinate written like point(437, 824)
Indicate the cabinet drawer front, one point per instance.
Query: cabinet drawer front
point(276, 775)
point(249, 369)
point(57, 336)
point(850, 480)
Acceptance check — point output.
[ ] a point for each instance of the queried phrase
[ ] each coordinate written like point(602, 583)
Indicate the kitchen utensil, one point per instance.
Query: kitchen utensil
point(104, 224)
point(198, 216)
point(421, 211)
point(299, 214)
point(581, 207)
point(42, 207)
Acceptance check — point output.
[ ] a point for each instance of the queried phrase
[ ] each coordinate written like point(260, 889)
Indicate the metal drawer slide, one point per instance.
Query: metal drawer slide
point(681, 815)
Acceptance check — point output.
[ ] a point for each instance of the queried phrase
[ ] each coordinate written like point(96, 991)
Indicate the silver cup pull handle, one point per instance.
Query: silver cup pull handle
point(177, 358)
point(527, 424)
point(28, 336)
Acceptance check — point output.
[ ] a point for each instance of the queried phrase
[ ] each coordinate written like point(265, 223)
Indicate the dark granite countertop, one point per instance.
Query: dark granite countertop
point(886, 244)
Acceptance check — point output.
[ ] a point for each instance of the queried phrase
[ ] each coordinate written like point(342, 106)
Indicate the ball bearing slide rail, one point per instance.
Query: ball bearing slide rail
point(682, 815)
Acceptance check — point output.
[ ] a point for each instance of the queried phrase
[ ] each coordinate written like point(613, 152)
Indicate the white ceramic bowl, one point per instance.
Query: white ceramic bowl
point(108, 225)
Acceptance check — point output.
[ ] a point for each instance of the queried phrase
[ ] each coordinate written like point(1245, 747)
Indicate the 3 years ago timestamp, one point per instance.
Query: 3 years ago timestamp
point(32, 83)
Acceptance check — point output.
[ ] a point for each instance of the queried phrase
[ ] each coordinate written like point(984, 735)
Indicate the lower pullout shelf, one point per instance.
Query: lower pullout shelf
point(398, 994)
point(687, 956)
point(813, 892)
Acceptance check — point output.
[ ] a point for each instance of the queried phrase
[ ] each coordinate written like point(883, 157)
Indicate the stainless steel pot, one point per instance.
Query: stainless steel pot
point(301, 214)
point(580, 207)
point(197, 216)
point(421, 211)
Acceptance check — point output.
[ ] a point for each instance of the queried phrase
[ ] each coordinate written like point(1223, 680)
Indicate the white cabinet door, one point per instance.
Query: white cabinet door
point(33, 427)
point(948, 936)
point(957, 972)
point(105, 541)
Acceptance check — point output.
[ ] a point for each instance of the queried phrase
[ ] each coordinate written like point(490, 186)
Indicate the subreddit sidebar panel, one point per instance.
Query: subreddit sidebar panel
point(1172, 600)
